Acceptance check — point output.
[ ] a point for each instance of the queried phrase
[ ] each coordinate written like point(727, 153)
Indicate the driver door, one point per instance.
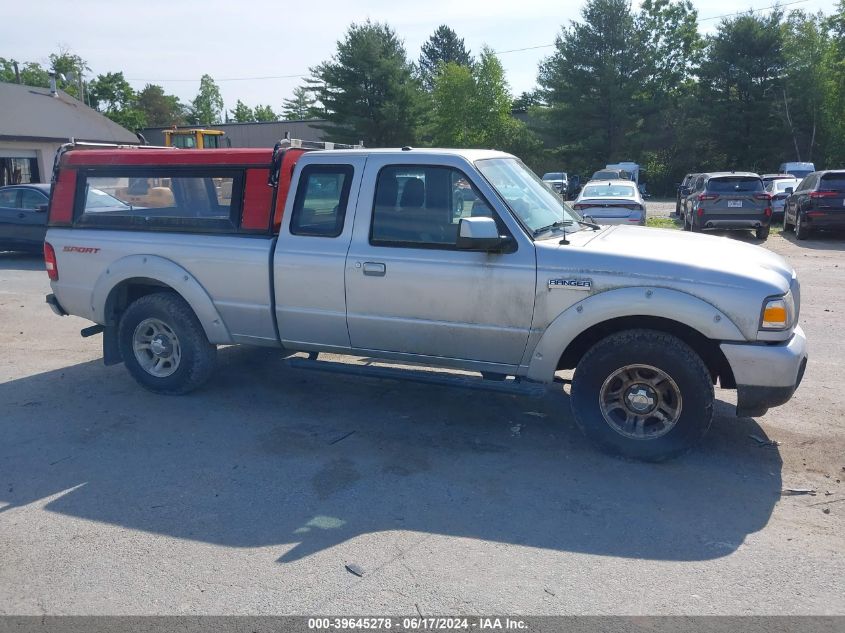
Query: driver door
point(411, 291)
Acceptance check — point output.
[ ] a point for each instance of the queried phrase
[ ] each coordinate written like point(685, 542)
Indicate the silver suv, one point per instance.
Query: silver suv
point(730, 200)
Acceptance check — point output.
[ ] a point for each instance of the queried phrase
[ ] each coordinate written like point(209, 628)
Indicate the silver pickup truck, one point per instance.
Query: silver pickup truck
point(373, 253)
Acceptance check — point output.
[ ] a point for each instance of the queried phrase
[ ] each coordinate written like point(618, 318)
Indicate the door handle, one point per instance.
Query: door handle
point(375, 269)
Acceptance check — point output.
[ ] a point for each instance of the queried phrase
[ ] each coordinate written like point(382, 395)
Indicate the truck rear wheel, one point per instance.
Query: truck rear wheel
point(163, 344)
point(643, 394)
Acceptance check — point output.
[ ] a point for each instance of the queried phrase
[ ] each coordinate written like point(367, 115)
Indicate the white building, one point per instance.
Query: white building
point(34, 122)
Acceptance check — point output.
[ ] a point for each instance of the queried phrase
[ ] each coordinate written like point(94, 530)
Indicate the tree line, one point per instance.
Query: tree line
point(619, 84)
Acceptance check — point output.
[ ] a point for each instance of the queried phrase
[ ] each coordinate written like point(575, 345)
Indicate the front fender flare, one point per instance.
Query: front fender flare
point(167, 272)
point(625, 302)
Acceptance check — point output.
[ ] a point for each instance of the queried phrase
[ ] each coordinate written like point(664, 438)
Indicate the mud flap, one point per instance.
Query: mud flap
point(111, 350)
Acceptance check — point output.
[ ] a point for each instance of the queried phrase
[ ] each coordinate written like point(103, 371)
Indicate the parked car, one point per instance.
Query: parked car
point(689, 197)
point(767, 178)
point(779, 189)
point(558, 181)
point(818, 202)
point(649, 319)
point(574, 186)
point(23, 217)
point(684, 188)
point(611, 174)
point(799, 170)
point(730, 200)
point(611, 202)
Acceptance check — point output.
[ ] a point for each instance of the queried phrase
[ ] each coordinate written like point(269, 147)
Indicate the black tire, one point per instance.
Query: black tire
point(197, 356)
point(693, 227)
point(669, 355)
point(802, 231)
point(786, 225)
point(762, 233)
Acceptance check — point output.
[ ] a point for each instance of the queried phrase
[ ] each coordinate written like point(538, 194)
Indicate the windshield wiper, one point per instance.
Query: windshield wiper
point(592, 225)
point(555, 225)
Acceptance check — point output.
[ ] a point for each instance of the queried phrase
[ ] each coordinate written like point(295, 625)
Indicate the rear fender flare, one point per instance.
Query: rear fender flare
point(169, 273)
point(625, 302)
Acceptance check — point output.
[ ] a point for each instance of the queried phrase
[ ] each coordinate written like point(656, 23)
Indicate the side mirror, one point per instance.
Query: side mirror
point(789, 189)
point(42, 208)
point(480, 234)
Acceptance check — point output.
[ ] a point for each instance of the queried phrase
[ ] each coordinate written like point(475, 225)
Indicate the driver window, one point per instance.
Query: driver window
point(421, 206)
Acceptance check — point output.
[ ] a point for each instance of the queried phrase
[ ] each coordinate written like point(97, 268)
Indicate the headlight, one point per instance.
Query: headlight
point(777, 313)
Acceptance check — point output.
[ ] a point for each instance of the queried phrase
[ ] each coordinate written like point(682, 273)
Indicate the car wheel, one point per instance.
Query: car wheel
point(762, 233)
point(786, 225)
point(643, 394)
point(163, 344)
point(802, 231)
point(693, 227)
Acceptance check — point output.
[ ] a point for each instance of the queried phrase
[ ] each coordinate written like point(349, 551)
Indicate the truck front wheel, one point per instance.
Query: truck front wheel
point(163, 344)
point(643, 394)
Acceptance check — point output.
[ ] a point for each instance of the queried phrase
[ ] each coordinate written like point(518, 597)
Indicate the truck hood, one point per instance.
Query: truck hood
point(730, 275)
point(669, 258)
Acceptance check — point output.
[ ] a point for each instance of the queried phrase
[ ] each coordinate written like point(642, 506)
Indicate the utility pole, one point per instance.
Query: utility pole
point(17, 72)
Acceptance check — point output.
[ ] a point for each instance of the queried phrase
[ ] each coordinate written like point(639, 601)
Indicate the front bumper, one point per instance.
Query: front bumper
point(766, 374)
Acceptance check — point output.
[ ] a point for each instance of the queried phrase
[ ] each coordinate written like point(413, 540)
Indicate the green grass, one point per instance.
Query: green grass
point(663, 223)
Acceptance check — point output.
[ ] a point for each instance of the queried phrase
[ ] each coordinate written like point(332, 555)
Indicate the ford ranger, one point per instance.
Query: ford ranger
point(365, 252)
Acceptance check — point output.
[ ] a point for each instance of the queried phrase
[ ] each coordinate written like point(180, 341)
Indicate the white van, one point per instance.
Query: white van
point(799, 170)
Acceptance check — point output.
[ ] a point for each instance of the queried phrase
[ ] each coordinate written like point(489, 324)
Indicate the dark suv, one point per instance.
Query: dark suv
point(730, 200)
point(684, 189)
point(817, 202)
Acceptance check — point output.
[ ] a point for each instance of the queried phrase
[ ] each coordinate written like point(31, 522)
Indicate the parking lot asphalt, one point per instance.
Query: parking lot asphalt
point(253, 494)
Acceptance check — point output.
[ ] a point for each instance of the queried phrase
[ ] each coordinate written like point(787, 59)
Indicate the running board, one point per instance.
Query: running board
point(510, 386)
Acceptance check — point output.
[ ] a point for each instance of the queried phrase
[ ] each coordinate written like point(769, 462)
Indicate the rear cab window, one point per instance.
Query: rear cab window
point(322, 196)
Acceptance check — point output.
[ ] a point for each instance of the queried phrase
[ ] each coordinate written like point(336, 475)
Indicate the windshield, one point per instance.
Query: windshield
point(526, 195)
point(608, 191)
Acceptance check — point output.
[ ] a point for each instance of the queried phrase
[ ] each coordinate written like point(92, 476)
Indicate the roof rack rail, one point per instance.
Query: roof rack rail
point(303, 144)
point(74, 144)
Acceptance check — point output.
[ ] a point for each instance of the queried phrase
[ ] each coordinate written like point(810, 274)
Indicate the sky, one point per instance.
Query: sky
point(256, 49)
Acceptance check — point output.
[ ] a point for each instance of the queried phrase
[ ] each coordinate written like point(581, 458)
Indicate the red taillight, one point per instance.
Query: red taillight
point(768, 212)
point(707, 196)
point(700, 211)
point(50, 262)
point(762, 196)
point(826, 194)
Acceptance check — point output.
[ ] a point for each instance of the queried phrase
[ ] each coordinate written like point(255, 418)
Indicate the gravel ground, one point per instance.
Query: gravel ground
point(252, 495)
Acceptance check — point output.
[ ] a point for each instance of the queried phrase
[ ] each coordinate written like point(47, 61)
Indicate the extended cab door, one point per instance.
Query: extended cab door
point(411, 291)
point(310, 255)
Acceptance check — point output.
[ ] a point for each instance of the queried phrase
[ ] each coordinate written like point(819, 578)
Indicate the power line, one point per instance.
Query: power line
point(513, 50)
point(774, 6)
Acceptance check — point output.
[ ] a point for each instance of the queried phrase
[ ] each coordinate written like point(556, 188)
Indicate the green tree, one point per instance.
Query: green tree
point(741, 79)
point(160, 109)
point(802, 93)
point(300, 105)
point(112, 95)
point(70, 70)
point(442, 47)
point(264, 113)
point(471, 107)
point(367, 88)
point(834, 90)
point(242, 113)
point(31, 73)
point(207, 106)
point(590, 83)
